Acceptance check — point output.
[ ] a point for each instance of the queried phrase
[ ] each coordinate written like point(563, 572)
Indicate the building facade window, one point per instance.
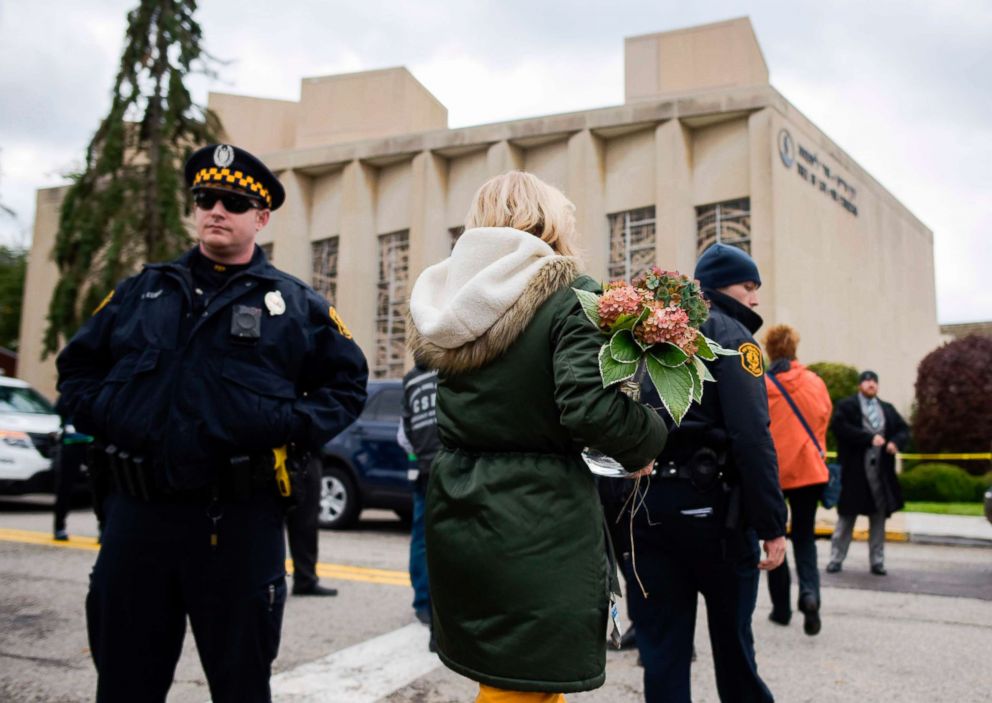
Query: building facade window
point(390, 311)
point(728, 222)
point(632, 245)
point(324, 258)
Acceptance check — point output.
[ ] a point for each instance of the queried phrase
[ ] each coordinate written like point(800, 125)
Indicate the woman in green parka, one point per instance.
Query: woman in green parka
point(515, 534)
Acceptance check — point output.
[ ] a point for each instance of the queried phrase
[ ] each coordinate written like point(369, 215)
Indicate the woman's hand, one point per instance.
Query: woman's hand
point(646, 471)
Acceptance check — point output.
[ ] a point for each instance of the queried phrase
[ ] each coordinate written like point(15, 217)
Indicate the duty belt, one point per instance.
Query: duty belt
point(232, 478)
point(703, 471)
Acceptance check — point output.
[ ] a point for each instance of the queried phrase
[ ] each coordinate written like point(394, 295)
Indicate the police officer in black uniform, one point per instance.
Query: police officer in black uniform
point(715, 493)
point(197, 377)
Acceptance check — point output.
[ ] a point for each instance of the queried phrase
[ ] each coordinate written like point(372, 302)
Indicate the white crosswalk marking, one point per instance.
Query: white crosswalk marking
point(363, 673)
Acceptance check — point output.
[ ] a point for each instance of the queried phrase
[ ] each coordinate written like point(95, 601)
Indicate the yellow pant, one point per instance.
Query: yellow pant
point(488, 694)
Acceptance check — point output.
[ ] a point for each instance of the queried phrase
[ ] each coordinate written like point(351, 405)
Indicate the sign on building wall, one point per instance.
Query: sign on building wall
point(816, 171)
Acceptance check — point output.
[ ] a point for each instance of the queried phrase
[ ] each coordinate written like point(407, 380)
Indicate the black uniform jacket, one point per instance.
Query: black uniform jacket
point(853, 440)
point(159, 373)
point(733, 419)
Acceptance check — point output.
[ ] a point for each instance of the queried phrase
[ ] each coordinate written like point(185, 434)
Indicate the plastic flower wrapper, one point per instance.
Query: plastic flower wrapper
point(652, 325)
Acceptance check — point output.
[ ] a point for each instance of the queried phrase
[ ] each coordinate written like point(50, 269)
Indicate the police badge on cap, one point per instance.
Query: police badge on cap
point(223, 155)
point(230, 168)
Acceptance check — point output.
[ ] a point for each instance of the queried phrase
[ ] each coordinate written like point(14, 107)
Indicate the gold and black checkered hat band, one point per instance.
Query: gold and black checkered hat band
point(227, 167)
point(226, 178)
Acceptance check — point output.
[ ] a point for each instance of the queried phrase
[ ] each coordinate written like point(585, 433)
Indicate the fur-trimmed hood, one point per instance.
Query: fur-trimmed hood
point(468, 309)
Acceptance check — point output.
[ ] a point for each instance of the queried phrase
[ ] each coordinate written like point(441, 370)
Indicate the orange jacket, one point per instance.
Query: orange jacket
point(799, 464)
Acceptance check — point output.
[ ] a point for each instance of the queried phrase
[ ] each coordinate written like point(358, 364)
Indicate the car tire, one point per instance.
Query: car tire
point(339, 501)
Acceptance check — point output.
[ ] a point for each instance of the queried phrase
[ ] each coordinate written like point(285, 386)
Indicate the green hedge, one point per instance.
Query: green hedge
point(841, 381)
point(943, 483)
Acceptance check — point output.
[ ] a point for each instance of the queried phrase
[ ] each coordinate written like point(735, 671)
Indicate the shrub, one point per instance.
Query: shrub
point(954, 399)
point(841, 381)
point(943, 483)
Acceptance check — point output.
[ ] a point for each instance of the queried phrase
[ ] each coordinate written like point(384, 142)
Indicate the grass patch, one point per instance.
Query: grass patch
point(945, 508)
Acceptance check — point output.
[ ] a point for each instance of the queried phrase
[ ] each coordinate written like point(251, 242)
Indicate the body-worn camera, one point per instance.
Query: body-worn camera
point(246, 323)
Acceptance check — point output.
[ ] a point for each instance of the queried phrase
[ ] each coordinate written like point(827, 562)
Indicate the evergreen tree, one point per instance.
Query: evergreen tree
point(13, 265)
point(126, 206)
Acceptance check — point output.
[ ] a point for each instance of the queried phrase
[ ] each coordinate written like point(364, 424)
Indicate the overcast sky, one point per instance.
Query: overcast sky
point(904, 87)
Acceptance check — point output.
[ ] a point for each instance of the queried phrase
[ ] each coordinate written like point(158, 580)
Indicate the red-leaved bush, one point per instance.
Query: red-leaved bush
point(954, 400)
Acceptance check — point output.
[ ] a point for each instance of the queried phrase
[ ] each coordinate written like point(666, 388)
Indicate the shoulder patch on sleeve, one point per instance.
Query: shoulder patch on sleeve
point(103, 303)
point(336, 319)
point(751, 359)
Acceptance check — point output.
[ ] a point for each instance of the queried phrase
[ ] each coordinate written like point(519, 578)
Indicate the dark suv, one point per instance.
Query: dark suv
point(364, 467)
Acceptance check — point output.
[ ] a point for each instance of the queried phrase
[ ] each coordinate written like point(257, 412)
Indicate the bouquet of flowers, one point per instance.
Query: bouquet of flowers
point(652, 324)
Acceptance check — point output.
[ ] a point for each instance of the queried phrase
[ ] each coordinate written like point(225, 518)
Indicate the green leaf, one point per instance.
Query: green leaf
point(717, 349)
point(704, 351)
point(668, 354)
point(697, 382)
point(702, 369)
point(590, 304)
point(624, 322)
point(623, 348)
point(674, 386)
point(614, 371)
point(629, 322)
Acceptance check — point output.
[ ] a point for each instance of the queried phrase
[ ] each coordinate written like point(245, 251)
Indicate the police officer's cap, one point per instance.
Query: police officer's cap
point(723, 265)
point(868, 376)
point(227, 167)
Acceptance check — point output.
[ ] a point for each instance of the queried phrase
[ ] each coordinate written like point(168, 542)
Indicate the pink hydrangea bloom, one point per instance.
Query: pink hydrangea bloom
point(619, 299)
point(668, 324)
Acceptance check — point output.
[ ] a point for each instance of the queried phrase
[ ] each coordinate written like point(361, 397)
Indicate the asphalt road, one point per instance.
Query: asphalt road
point(923, 633)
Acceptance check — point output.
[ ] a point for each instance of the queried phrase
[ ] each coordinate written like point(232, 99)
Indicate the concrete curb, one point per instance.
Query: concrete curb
point(824, 530)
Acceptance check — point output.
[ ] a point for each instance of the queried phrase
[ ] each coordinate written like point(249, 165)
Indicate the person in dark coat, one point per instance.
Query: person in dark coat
point(418, 435)
point(870, 432)
point(196, 377)
point(716, 494)
point(67, 466)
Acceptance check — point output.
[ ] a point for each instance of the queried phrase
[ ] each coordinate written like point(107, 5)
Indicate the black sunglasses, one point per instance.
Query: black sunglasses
point(234, 203)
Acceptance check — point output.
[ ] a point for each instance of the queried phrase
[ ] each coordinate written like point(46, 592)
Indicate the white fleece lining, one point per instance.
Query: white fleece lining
point(457, 300)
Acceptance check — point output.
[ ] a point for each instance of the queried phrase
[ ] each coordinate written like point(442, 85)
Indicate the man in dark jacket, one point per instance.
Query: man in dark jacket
point(420, 438)
point(715, 494)
point(869, 434)
point(195, 376)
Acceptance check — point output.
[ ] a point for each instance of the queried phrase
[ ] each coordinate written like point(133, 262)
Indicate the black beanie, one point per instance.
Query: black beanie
point(723, 265)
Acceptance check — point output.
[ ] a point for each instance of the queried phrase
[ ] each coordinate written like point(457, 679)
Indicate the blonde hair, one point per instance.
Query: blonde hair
point(523, 201)
point(781, 342)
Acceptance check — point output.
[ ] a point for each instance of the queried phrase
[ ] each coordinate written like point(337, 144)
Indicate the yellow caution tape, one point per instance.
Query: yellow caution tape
point(987, 456)
point(975, 456)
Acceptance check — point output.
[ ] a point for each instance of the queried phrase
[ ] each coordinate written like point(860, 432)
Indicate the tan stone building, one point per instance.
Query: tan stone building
point(702, 150)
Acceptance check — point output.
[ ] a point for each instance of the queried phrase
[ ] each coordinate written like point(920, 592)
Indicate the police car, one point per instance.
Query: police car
point(364, 466)
point(29, 432)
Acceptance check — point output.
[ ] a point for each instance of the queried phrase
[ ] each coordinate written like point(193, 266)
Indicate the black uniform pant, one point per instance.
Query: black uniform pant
point(156, 567)
point(67, 467)
point(303, 530)
point(676, 562)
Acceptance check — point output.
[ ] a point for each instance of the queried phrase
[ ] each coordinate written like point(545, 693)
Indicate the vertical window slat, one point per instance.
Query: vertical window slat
point(391, 297)
point(632, 243)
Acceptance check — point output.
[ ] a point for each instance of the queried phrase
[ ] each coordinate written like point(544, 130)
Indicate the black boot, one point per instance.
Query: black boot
point(811, 614)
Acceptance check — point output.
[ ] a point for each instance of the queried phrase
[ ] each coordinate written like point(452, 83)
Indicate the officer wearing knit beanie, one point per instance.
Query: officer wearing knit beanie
point(715, 524)
point(723, 265)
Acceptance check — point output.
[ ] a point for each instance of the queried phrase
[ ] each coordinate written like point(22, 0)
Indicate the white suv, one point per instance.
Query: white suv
point(29, 433)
